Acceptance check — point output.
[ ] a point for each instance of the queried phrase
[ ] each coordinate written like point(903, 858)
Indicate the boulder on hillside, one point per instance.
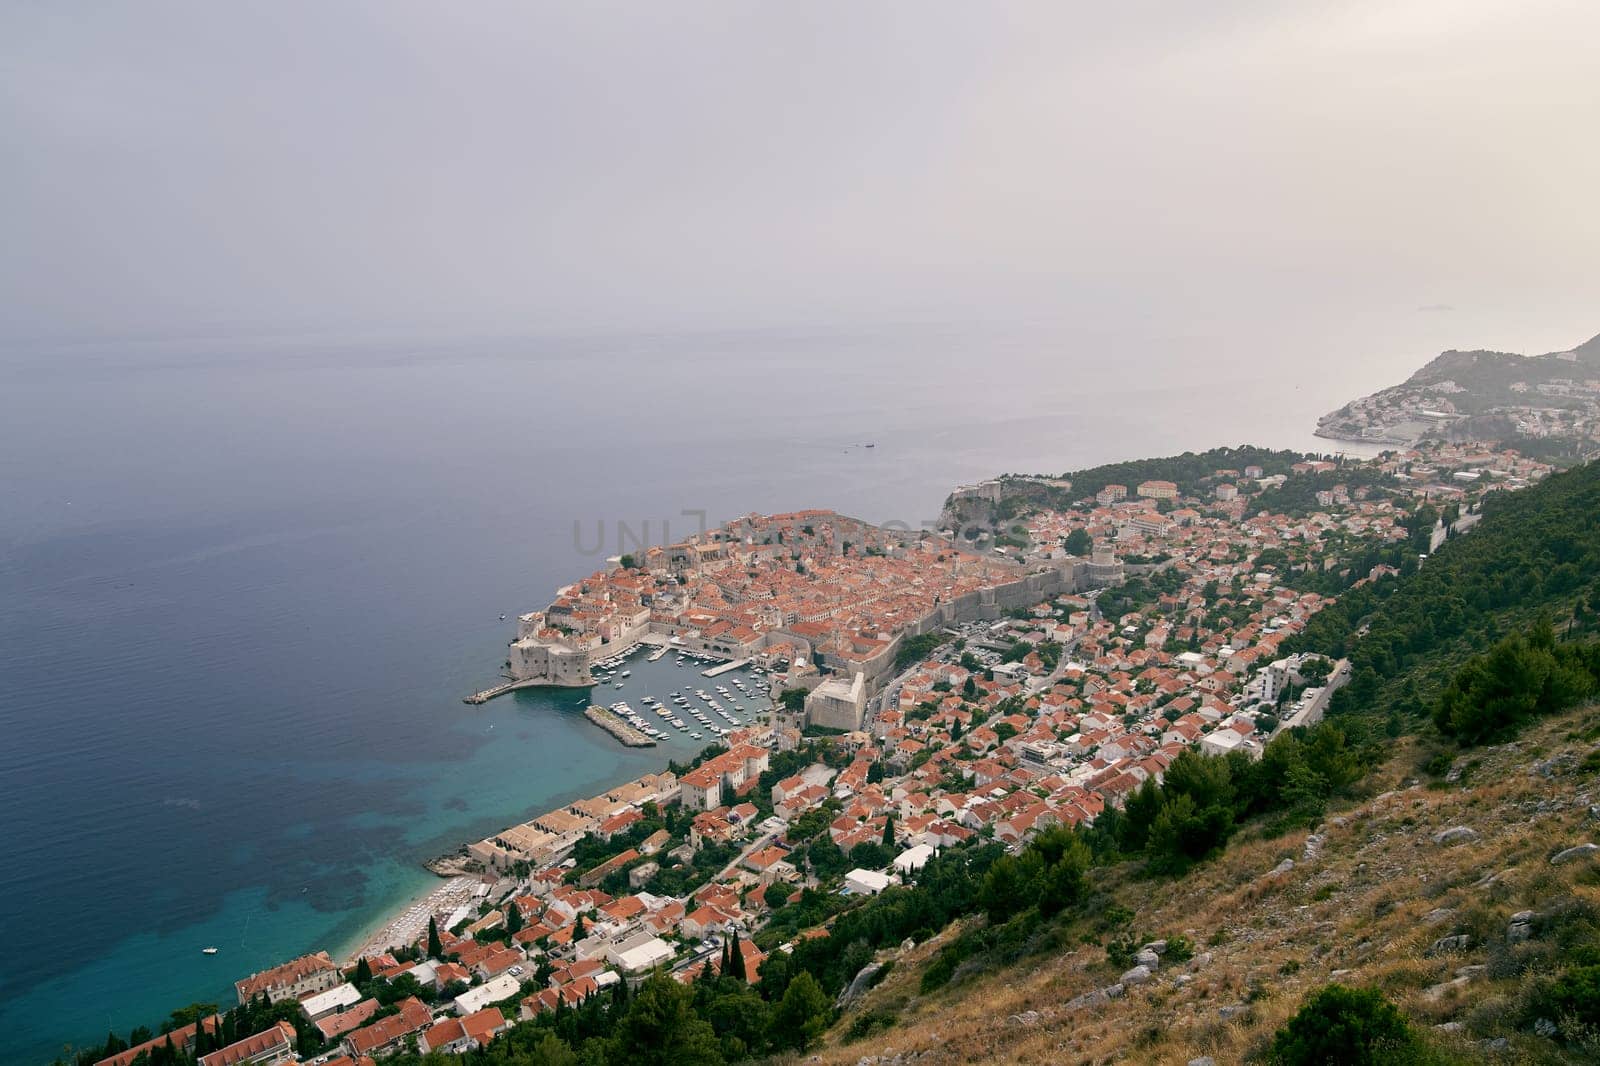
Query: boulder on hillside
point(1582, 851)
point(1136, 976)
point(1459, 834)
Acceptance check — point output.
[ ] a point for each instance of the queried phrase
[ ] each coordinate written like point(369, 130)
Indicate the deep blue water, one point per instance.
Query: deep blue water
point(244, 583)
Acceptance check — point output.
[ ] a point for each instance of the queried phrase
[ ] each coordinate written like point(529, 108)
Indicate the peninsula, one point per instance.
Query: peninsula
point(1547, 404)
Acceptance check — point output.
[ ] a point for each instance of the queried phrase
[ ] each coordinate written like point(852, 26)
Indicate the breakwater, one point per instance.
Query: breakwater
point(618, 728)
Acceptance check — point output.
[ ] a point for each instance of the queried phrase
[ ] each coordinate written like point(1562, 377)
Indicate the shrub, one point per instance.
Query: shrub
point(1348, 1026)
point(1121, 950)
point(1572, 997)
point(868, 1022)
point(1179, 949)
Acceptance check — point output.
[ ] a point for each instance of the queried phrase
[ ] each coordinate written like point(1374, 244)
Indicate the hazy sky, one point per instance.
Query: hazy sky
point(1293, 165)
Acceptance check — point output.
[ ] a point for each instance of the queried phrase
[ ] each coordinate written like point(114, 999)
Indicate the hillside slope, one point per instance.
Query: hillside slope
point(1371, 898)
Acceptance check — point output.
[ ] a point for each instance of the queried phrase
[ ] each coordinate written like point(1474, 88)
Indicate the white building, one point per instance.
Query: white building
point(492, 991)
point(641, 953)
point(865, 882)
point(913, 859)
point(330, 1002)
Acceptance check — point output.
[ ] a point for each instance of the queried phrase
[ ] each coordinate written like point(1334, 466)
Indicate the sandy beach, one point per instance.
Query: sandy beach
point(411, 924)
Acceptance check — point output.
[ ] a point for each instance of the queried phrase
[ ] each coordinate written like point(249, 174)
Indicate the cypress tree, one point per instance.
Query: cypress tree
point(736, 959)
point(514, 919)
point(888, 831)
point(578, 930)
point(435, 948)
point(201, 1045)
point(363, 972)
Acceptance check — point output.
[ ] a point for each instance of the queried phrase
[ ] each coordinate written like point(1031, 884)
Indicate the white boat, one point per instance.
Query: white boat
point(208, 951)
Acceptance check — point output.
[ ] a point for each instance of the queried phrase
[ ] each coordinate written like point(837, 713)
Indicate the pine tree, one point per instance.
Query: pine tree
point(435, 948)
point(802, 1014)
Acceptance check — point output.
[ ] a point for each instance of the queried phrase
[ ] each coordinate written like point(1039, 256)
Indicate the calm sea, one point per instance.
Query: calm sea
point(245, 581)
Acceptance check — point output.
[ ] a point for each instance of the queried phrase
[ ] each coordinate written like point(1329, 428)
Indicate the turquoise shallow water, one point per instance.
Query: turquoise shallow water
point(244, 585)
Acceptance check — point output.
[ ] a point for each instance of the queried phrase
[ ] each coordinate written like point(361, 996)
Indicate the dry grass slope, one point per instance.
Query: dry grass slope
point(1364, 908)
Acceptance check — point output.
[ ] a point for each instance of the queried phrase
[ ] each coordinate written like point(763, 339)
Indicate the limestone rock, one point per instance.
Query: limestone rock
point(1446, 944)
point(1136, 976)
point(1434, 993)
point(859, 985)
point(1520, 927)
point(1460, 834)
point(1095, 998)
point(1582, 851)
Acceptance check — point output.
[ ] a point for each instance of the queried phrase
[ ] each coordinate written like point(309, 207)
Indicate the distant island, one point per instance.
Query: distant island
point(1544, 405)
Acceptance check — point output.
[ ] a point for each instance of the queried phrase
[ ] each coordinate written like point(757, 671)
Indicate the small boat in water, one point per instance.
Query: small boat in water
point(208, 951)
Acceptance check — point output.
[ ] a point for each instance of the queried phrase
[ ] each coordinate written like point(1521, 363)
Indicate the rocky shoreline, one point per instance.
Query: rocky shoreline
point(456, 864)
